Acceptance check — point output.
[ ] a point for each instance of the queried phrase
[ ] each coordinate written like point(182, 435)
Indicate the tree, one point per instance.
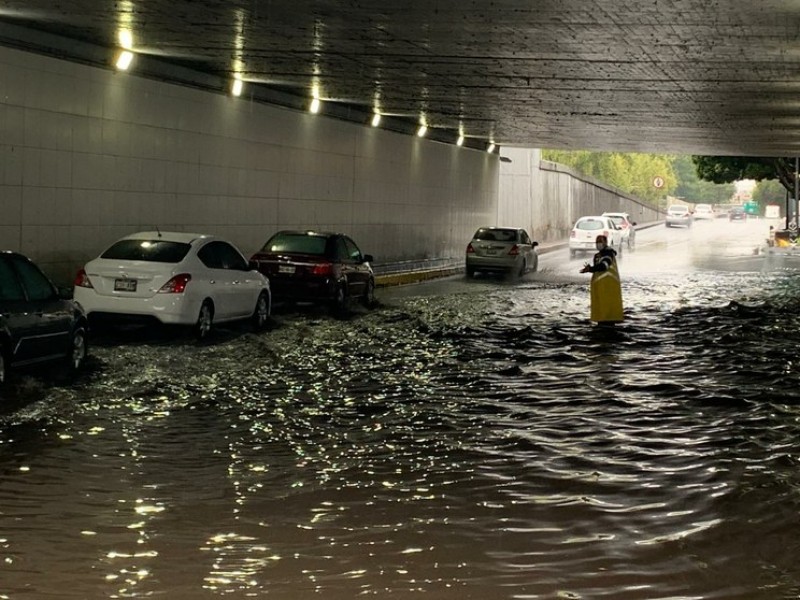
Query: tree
point(769, 192)
point(631, 173)
point(696, 190)
point(727, 169)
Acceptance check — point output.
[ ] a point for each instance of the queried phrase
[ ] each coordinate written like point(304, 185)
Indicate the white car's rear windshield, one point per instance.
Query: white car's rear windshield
point(299, 243)
point(148, 250)
point(590, 225)
point(496, 235)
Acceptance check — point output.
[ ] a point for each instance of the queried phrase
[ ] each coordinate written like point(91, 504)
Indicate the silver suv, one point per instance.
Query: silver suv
point(678, 215)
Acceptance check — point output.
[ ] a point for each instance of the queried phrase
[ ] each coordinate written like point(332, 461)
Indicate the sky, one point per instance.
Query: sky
point(745, 185)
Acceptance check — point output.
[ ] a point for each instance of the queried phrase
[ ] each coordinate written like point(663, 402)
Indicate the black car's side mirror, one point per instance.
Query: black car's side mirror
point(368, 258)
point(64, 293)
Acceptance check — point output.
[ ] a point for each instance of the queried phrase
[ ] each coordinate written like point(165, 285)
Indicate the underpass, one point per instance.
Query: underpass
point(467, 438)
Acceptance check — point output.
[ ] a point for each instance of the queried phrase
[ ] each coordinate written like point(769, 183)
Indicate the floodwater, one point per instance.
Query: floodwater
point(466, 439)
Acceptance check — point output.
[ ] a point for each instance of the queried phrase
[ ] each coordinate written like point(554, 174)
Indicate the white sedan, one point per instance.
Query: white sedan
point(584, 233)
point(175, 278)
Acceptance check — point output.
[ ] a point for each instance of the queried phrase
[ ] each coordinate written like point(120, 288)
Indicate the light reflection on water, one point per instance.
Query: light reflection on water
point(486, 445)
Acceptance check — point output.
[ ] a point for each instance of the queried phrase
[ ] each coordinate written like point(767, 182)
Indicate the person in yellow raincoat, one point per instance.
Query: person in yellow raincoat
point(606, 291)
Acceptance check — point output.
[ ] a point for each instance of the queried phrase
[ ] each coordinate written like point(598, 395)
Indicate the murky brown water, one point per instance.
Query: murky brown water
point(480, 443)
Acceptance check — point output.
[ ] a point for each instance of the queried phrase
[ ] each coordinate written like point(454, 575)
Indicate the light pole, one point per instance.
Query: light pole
point(796, 198)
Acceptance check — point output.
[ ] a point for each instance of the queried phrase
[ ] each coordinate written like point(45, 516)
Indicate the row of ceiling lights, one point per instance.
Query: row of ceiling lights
point(126, 55)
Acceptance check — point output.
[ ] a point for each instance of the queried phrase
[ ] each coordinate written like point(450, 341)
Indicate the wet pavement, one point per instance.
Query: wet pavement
point(465, 439)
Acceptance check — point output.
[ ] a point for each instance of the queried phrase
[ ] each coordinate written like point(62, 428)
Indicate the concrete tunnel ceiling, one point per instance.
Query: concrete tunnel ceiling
point(677, 76)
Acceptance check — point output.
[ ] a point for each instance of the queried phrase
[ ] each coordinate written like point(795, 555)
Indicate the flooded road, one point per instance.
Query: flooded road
point(466, 439)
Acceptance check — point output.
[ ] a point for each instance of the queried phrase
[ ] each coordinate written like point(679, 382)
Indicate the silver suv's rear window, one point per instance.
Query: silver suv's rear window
point(148, 250)
point(495, 235)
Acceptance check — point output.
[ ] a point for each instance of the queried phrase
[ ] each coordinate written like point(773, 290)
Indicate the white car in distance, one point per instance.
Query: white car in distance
point(678, 215)
point(585, 232)
point(703, 211)
point(624, 222)
point(175, 278)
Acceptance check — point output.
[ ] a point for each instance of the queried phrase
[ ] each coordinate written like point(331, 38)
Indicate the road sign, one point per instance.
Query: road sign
point(658, 182)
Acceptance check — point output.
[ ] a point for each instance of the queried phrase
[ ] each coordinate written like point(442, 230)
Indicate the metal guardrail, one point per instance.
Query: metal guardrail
point(425, 264)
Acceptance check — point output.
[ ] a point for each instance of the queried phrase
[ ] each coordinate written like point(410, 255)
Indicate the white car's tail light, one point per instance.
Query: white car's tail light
point(514, 250)
point(82, 280)
point(470, 249)
point(176, 285)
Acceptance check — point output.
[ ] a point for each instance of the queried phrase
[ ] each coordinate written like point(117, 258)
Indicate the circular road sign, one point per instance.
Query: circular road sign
point(658, 182)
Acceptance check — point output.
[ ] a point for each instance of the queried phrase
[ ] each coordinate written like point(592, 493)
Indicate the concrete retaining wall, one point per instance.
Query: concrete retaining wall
point(88, 155)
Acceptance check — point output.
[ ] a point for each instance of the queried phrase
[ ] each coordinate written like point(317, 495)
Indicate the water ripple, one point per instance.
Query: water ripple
point(489, 446)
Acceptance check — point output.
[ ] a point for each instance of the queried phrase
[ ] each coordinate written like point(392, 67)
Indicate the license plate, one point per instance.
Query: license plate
point(125, 285)
point(285, 269)
point(490, 251)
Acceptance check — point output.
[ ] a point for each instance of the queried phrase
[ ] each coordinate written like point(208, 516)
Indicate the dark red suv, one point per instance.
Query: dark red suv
point(316, 267)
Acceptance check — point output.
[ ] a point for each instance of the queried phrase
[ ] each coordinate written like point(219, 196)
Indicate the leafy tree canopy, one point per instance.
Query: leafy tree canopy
point(634, 173)
point(727, 169)
point(769, 192)
point(693, 189)
point(631, 173)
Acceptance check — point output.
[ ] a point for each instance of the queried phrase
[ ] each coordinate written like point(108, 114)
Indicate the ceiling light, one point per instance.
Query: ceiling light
point(423, 129)
point(460, 141)
point(124, 60)
point(125, 39)
point(376, 119)
point(315, 105)
point(236, 87)
point(491, 147)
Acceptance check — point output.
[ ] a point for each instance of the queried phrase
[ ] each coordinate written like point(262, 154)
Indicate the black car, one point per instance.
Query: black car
point(737, 214)
point(317, 267)
point(37, 324)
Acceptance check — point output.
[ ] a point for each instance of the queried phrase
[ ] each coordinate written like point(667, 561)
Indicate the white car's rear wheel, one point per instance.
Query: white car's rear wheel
point(205, 320)
point(261, 312)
